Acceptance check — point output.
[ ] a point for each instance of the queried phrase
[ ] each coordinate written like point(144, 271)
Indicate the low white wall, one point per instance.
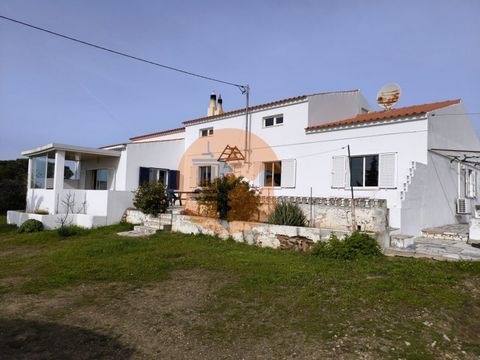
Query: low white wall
point(40, 199)
point(53, 221)
point(118, 203)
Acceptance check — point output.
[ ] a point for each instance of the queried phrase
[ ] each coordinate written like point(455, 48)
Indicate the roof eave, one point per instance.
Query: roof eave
point(70, 148)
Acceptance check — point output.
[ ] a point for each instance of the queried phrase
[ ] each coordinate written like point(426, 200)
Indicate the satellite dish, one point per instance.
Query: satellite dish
point(389, 95)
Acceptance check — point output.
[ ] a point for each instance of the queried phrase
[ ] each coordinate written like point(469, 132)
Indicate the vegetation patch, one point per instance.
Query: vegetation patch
point(286, 213)
point(357, 245)
point(151, 198)
point(30, 225)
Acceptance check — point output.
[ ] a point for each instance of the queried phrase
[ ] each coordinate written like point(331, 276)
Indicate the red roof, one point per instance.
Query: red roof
point(158, 133)
point(262, 106)
point(386, 114)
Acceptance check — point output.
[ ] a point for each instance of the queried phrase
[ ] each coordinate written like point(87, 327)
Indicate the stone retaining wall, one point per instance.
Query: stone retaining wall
point(330, 213)
point(253, 233)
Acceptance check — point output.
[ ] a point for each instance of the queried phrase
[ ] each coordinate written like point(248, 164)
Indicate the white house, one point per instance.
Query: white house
point(417, 158)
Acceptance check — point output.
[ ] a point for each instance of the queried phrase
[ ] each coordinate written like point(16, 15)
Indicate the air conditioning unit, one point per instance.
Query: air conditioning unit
point(463, 206)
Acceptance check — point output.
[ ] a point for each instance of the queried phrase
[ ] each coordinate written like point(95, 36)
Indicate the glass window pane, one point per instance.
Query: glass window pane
point(371, 170)
point(269, 121)
point(356, 171)
point(71, 170)
point(50, 173)
point(39, 165)
point(268, 176)
point(280, 120)
point(277, 173)
point(102, 179)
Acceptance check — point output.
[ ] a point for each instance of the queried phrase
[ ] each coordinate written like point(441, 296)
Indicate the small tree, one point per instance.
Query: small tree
point(151, 198)
point(230, 198)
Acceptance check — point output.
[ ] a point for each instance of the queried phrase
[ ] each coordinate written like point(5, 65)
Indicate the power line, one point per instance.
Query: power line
point(243, 88)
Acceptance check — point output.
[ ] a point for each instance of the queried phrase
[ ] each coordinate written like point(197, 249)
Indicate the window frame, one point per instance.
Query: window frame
point(470, 183)
point(209, 131)
point(272, 171)
point(199, 175)
point(275, 120)
point(359, 187)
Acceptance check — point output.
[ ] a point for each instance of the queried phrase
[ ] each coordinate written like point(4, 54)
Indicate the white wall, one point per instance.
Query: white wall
point(161, 154)
point(329, 107)
point(40, 199)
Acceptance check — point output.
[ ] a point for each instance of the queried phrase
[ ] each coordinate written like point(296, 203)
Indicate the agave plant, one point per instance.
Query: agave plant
point(286, 213)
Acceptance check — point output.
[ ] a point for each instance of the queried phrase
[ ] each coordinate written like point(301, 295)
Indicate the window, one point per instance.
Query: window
point(272, 173)
point(470, 183)
point(273, 121)
point(157, 175)
point(204, 175)
point(364, 171)
point(38, 172)
point(206, 132)
point(42, 172)
point(97, 179)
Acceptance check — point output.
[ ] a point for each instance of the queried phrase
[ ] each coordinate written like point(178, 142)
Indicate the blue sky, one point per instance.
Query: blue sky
point(52, 90)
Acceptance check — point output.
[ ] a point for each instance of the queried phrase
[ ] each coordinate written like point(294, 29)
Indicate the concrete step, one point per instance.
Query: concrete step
point(401, 241)
point(145, 229)
point(157, 223)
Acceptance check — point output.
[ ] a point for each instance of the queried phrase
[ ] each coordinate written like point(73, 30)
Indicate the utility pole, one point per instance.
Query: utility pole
point(245, 89)
point(354, 221)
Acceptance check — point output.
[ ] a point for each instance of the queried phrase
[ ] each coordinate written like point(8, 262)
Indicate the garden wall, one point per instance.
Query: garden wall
point(253, 233)
point(329, 213)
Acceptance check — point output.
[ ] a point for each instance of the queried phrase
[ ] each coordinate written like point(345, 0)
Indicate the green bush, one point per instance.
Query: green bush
point(31, 225)
point(151, 198)
point(355, 246)
point(70, 230)
point(286, 213)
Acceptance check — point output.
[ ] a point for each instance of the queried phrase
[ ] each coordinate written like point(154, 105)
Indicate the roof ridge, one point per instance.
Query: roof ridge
point(259, 106)
point(387, 114)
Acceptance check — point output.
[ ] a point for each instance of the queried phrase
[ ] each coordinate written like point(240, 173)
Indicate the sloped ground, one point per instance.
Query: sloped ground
point(174, 296)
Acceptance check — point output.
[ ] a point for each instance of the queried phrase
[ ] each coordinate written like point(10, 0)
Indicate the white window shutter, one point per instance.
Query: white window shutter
point(387, 170)
point(338, 171)
point(288, 173)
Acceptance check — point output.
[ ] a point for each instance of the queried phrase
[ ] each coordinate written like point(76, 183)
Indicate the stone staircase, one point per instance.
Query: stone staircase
point(448, 242)
point(153, 224)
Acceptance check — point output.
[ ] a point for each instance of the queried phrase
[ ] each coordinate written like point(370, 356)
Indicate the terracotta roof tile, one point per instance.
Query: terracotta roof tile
point(386, 114)
point(262, 106)
point(158, 133)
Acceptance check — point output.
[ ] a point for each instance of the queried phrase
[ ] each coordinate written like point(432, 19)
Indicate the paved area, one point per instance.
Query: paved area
point(438, 248)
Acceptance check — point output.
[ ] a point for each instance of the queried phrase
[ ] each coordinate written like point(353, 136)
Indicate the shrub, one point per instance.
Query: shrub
point(31, 225)
point(70, 230)
point(151, 198)
point(286, 213)
point(230, 198)
point(355, 246)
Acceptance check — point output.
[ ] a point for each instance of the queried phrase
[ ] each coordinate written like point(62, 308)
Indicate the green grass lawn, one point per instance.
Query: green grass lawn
point(387, 307)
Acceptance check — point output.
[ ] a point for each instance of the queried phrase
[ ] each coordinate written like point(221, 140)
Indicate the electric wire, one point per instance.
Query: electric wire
point(241, 87)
